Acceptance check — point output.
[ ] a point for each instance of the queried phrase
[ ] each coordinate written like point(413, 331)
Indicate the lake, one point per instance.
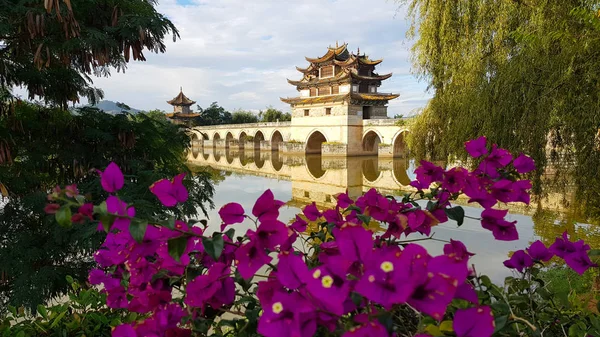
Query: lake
point(242, 176)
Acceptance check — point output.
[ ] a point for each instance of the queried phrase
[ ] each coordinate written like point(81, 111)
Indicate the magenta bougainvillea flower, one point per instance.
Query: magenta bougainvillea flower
point(539, 251)
point(170, 192)
point(347, 276)
point(289, 315)
point(292, 272)
point(493, 220)
point(498, 158)
point(519, 261)
point(266, 207)
point(524, 164)
point(311, 212)
point(299, 224)
point(477, 147)
point(112, 178)
point(215, 288)
point(427, 174)
point(231, 213)
point(371, 329)
point(457, 250)
point(249, 258)
point(343, 200)
point(474, 322)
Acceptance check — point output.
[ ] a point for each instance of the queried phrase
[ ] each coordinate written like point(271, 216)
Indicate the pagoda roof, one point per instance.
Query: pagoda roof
point(338, 52)
point(362, 59)
point(180, 115)
point(341, 76)
point(380, 97)
point(181, 99)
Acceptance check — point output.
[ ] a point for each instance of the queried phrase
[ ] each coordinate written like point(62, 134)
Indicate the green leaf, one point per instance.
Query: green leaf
point(500, 322)
point(63, 216)
point(364, 218)
point(69, 279)
point(353, 208)
point(456, 213)
point(594, 252)
point(107, 221)
point(170, 223)
point(214, 246)
point(230, 233)
point(356, 298)
point(177, 247)
point(137, 228)
point(42, 311)
point(80, 199)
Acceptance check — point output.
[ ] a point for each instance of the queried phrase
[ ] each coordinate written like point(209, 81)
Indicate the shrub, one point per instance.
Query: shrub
point(338, 278)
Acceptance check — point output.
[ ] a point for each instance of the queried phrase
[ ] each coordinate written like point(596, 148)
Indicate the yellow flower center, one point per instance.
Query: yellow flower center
point(277, 307)
point(327, 281)
point(387, 266)
point(317, 273)
point(371, 278)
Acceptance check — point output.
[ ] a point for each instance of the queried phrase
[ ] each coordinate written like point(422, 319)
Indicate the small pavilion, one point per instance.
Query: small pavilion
point(182, 113)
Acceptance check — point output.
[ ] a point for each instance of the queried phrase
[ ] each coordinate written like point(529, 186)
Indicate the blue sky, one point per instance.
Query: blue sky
point(239, 53)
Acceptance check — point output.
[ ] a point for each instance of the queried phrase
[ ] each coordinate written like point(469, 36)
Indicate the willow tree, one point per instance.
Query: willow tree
point(524, 73)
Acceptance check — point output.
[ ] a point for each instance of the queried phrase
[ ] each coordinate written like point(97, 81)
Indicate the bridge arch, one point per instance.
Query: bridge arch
point(370, 142)
point(258, 137)
point(400, 150)
point(276, 162)
point(216, 136)
point(400, 172)
point(242, 139)
point(314, 165)
point(370, 169)
point(228, 139)
point(314, 142)
point(276, 140)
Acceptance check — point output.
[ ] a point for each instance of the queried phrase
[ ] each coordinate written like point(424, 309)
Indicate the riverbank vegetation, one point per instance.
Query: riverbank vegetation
point(523, 73)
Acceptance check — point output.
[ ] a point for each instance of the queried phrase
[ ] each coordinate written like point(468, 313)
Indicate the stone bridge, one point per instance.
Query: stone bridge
point(368, 137)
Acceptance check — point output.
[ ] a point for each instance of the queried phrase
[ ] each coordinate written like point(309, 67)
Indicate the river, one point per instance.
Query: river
point(298, 180)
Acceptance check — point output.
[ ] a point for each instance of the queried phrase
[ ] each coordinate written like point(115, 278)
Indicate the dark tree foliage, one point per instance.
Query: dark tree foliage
point(53, 47)
point(243, 117)
point(42, 148)
point(213, 115)
point(274, 115)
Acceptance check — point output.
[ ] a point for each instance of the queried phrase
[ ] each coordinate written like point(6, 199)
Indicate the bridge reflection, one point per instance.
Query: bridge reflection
point(313, 177)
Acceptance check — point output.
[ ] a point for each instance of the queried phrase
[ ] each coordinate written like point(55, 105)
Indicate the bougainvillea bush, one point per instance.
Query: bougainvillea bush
point(278, 280)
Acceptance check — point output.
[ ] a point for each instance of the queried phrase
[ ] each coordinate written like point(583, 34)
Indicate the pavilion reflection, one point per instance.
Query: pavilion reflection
point(314, 177)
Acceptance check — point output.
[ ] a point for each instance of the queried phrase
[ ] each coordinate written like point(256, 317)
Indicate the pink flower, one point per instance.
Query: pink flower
point(371, 329)
point(170, 192)
point(476, 147)
point(497, 159)
point(123, 330)
point(87, 210)
point(493, 220)
point(427, 174)
point(524, 164)
point(112, 178)
point(299, 224)
point(71, 191)
point(474, 322)
point(311, 212)
point(343, 200)
point(266, 207)
point(454, 179)
point(249, 258)
point(231, 213)
point(51, 208)
point(519, 261)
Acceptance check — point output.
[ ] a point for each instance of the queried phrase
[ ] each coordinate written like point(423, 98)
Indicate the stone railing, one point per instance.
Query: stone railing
point(244, 126)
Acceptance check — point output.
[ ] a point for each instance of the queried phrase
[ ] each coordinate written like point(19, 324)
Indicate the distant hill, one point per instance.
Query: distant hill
point(112, 108)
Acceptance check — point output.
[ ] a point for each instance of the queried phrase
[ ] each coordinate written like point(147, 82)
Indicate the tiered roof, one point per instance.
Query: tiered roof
point(350, 68)
point(350, 97)
point(181, 99)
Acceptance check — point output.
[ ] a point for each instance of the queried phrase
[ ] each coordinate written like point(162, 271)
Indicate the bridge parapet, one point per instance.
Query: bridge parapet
point(243, 126)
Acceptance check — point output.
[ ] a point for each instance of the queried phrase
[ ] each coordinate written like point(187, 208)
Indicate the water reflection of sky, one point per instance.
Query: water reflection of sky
point(295, 184)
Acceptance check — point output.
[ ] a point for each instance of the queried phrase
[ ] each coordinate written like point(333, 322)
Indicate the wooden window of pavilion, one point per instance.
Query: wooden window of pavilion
point(313, 91)
point(363, 88)
point(335, 90)
point(327, 111)
point(306, 112)
point(324, 91)
point(326, 71)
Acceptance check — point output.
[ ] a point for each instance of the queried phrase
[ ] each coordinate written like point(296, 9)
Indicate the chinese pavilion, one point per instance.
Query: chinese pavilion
point(182, 114)
point(340, 83)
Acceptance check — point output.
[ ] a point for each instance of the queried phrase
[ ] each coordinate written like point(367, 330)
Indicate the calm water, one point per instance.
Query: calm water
point(298, 180)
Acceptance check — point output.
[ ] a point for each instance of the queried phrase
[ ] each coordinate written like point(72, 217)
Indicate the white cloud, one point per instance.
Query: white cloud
point(239, 53)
